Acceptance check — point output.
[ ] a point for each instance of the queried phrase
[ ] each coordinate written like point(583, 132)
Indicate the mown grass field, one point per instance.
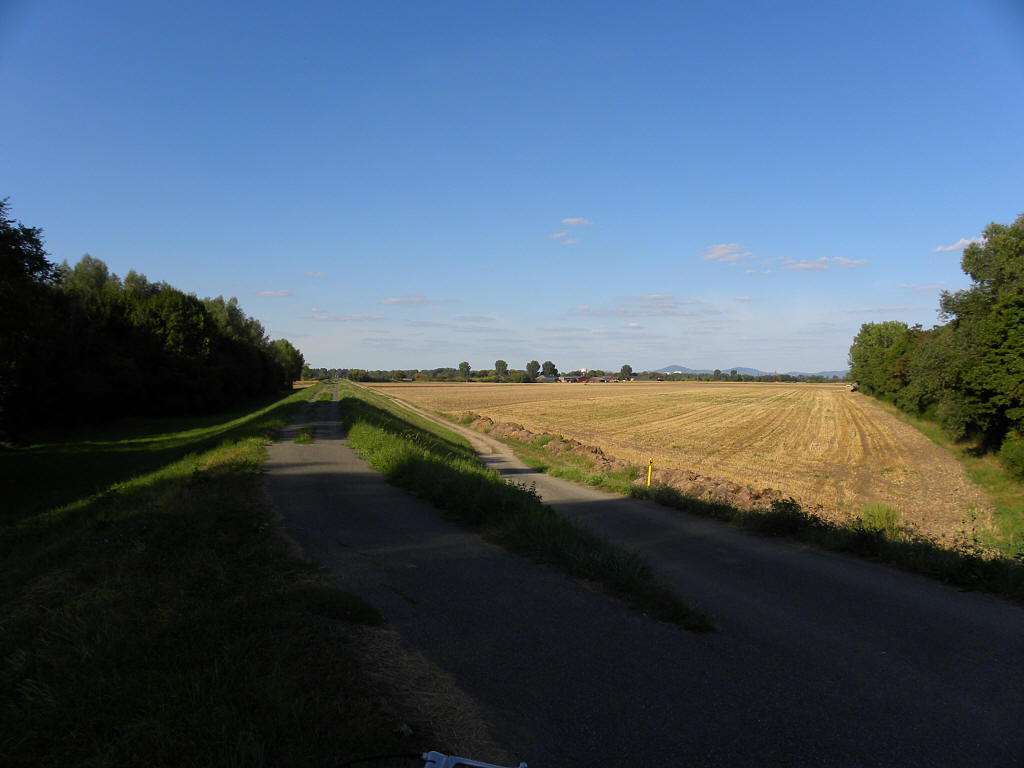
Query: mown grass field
point(834, 451)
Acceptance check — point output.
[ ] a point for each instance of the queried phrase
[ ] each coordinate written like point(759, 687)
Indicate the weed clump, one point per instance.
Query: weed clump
point(1011, 454)
point(882, 518)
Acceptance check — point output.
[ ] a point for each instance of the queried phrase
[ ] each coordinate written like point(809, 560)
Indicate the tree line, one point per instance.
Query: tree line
point(502, 373)
point(967, 374)
point(79, 344)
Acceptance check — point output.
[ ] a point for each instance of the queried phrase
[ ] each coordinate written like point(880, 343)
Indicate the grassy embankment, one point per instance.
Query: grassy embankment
point(151, 614)
point(995, 566)
point(440, 466)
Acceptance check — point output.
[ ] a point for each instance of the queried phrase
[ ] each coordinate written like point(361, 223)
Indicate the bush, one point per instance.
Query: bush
point(881, 518)
point(1012, 454)
point(784, 518)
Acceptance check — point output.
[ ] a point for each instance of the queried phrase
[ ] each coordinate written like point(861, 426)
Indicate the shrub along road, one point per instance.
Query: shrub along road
point(819, 659)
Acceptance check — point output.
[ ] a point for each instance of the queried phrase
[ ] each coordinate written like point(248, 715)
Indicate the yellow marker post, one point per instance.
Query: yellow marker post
point(650, 467)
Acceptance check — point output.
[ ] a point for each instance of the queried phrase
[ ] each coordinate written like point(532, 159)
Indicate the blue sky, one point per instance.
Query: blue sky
point(410, 185)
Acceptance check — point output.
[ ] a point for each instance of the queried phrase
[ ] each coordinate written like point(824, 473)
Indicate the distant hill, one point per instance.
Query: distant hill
point(745, 371)
point(681, 369)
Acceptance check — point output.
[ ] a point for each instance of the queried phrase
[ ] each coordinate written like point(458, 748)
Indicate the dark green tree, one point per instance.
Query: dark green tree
point(549, 369)
point(988, 319)
point(626, 372)
point(969, 373)
point(26, 316)
point(464, 371)
point(500, 368)
point(289, 360)
point(532, 369)
point(875, 357)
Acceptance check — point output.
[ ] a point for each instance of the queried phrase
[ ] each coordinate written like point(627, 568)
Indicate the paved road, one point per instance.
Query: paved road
point(819, 659)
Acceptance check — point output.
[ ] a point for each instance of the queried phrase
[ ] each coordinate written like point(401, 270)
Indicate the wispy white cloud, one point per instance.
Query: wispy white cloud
point(577, 222)
point(273, 293)
point(959, 245)
point(570, 241)
point(650, 305)
point(475, 319)
point(823, 263)
point(325, 318)
point(743, 298)
point(557, 235)
point(561, 329)
point(923, 288)
point(413, 300)
point(316, 274)
point(633, 325)
point(726, 252)
point(426, 324)
point(806, 265)
point(881, 309)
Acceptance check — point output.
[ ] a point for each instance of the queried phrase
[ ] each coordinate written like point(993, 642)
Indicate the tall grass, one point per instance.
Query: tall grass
point(160, 619)
point(440, 467)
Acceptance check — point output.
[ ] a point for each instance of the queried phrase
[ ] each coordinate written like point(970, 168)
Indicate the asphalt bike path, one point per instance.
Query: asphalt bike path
point(819, 659)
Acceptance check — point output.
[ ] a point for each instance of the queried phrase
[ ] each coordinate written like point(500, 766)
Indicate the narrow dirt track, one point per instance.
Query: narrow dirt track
point(819, 659)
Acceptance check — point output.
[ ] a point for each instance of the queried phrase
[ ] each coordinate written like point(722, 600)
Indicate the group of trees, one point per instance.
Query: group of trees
point(501, 372)
point(967, 374)
point(79, 344)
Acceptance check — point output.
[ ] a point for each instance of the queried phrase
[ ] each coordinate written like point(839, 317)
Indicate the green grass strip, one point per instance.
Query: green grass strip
point(439, 466)
point(163, 621)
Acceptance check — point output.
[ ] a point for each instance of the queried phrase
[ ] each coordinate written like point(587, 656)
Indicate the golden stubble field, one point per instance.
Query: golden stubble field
point(831, 449)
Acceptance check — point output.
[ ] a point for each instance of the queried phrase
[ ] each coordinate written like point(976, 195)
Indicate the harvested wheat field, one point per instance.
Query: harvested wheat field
point(832, 450)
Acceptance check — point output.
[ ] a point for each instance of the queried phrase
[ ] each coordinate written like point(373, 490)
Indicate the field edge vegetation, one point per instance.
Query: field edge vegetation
point(985, 470)
point(876, 533)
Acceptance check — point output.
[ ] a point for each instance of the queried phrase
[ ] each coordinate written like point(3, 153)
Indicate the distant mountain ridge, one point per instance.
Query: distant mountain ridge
point(746, 371)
